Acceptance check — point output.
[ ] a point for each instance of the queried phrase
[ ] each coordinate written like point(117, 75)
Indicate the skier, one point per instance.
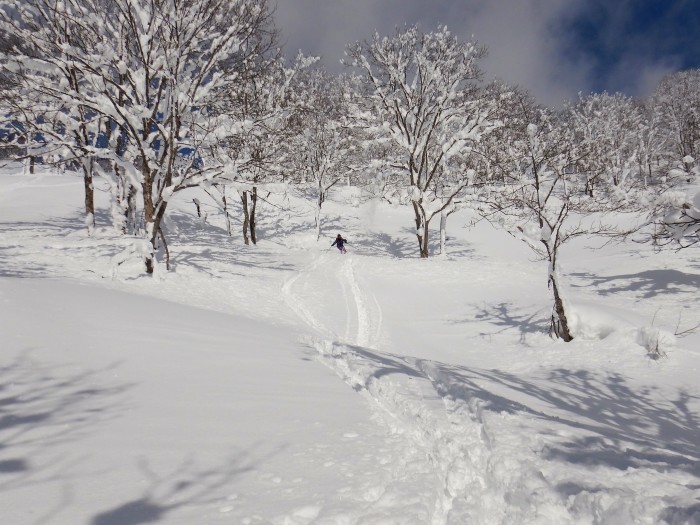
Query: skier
point(340, 243)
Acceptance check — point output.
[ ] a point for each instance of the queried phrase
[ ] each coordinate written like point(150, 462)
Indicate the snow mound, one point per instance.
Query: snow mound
point(588, 321)
point(656, 341)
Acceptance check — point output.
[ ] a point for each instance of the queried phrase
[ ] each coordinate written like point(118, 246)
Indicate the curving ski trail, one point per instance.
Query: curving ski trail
point(294, 298)
point(361, 315)
point(367, 311)
point(446, 444)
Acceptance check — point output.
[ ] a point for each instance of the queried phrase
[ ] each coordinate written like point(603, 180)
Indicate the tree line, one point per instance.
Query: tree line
point(157, 96)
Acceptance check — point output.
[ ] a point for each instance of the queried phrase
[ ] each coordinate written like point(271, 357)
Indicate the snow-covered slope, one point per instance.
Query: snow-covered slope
point(287, 384)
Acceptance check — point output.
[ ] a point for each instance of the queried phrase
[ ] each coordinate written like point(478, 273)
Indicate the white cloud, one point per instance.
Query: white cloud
point(324, 28)
point(523, 38)
point(525, 46)
point(637, 76)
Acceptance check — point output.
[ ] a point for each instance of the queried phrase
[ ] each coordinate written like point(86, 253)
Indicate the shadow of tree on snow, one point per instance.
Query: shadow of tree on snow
point(42, 406)
point(206, 248)
point(505, 317)
point(27, 256)
point(625, 426)
point(187, 485)
point(597, 419)
point(648, 284)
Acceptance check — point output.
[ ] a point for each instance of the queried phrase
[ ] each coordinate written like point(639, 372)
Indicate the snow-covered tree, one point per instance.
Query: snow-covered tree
point(652, 145)
point(607, 132)
point(33, 57)
point(258, 155)
point(674, 219)
point(670, 207)
point(324, 148)
point(152, 69)
point(677, 99)
point(424, 99)
point(537, 189)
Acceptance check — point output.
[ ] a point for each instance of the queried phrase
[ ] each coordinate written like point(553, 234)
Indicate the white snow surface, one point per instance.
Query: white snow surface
point(287, 384)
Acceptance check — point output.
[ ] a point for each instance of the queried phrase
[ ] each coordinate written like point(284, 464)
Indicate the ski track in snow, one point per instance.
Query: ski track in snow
point(367, 309)
point(291, 297)
point(450, 449)
point(437, 455)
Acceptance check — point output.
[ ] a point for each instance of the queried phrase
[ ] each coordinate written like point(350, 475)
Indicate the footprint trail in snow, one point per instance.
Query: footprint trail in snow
point(445, 445)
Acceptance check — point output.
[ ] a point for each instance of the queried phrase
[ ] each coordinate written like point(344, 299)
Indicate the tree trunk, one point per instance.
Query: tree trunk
point(165, 248)
point(119, 211)
point(152, 218)
point(124, 213)
point(559, 322)
point(153, 230)
point(424, 252)
point(317, 219)
point(443, 233)
point(130, 212)
point(89, 194)
point(227, 215)
point(150, 264)
point(421, 231)
point(253, 206)
point(246, 217)
point(319, 205)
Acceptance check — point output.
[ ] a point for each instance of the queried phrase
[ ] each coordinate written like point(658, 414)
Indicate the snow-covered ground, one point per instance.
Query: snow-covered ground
point(287, 384)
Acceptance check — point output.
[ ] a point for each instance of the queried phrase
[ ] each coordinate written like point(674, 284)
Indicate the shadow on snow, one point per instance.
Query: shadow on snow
point(616, 425)
point(42, 406)
point(649, 283)
point(186, 485)
point(503, 317)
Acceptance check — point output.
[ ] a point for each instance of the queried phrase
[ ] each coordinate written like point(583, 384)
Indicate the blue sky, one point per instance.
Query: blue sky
point(621, 36)
point(553, 48)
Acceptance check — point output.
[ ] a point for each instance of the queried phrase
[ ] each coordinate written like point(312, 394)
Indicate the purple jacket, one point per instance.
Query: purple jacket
point(339, 241)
